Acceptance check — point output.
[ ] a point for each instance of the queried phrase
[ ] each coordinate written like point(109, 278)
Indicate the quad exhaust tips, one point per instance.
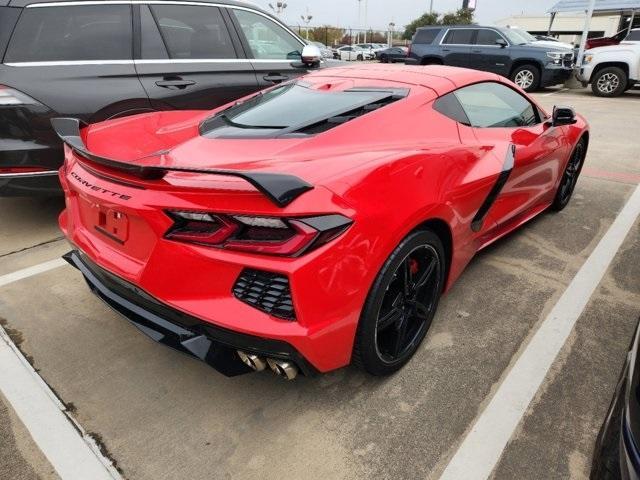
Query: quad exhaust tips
point(282, 368)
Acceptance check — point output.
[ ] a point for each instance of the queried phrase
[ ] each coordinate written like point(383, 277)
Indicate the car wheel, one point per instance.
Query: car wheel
point(609, 82)
point(570, 176)
point(384, 58)
point(527, 77)
point(360, 58)
point(401, 304)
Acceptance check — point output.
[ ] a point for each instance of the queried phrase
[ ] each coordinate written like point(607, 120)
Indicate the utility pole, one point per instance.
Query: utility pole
point(359, 20)
point(431, 7)
point(366, 19)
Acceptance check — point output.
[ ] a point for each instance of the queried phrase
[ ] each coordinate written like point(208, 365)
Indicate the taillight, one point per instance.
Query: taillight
point(289, 237)
point(11, 96)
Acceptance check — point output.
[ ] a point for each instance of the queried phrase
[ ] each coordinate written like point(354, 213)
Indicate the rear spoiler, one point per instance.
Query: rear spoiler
point(281, 189)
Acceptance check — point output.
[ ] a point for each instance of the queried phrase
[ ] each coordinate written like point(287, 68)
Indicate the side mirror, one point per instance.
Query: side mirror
point(311, 56)
point(563, 116)
point(502, 42)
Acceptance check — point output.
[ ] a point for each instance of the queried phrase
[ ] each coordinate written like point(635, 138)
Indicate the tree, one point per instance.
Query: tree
point(327, 35)
point(463, 16)
point(423, 21)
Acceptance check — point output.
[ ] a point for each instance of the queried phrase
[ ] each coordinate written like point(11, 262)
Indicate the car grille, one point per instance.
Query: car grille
point(568, 60)
point(266, 291)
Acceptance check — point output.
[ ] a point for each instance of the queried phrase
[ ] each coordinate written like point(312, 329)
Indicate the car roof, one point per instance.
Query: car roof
point(236, 3)
point(440, 78)
point(458, 26)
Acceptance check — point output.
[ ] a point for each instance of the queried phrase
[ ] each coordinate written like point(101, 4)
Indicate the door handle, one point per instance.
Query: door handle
point(476, 51)
point(275, 77)
point(175, 84)
point(446, 49)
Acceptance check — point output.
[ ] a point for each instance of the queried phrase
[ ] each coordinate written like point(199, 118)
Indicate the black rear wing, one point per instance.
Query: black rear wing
point(280, 188)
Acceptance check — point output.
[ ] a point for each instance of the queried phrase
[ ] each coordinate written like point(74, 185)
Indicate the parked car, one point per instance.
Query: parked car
point(493, 49)
point(99, 60)
point(617, 450)
point(392, 55)
point(350, 53)
point(326, 52)
point(539, 39)
point(614, 69)
point(606, 41)
point(239, 234)
point(371, 47)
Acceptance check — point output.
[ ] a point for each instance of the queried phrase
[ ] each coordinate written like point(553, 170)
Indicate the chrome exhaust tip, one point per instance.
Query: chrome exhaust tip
point(252, 361)
point(282, 368)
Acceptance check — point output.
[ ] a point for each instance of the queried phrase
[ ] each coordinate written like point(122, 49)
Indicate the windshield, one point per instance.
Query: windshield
point(296, 104)
point(514, 36)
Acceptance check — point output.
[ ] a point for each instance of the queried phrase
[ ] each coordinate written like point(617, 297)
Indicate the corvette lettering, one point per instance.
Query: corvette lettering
point(97, 188)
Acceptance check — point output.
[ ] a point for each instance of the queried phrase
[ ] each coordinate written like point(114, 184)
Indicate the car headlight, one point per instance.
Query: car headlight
point(556, 56)
point(587, 59)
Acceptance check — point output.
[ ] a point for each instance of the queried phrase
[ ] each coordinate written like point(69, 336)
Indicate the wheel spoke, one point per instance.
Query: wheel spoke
point(390, 318)
point(422, 281)
point(400, 336)
point(406, 277)
point(422, 312)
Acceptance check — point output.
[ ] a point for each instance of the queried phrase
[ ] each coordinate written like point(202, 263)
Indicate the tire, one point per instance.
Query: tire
point(384, 58)
point(375, 344)
point(526, 77)
point(431, 61)
point(570, 176)
point(360, 58)
point(609, 82)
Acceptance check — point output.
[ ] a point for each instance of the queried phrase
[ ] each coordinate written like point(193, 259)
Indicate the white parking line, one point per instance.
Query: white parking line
point(30, 271)
point(72, 453)
point(481, 449)
point(553, 93)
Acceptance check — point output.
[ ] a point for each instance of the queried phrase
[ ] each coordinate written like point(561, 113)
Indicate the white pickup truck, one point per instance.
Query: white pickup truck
point(613, 69)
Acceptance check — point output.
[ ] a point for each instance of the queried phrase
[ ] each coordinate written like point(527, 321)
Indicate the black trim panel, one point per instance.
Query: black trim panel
point(212, 344)
point(507, 168)
point(281, 189)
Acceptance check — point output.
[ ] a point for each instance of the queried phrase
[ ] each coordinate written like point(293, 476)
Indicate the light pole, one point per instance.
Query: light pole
point(366, 19)
point(278, 8)
point(359, 20)
point(431, 7)
point(392, 26)
point(307, 19)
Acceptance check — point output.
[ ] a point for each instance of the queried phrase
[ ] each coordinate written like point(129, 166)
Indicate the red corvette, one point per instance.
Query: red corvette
point(316, 223)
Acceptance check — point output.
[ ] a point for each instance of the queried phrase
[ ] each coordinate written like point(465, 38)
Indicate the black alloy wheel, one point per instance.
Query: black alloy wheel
point(570, 176)
point(401, 304)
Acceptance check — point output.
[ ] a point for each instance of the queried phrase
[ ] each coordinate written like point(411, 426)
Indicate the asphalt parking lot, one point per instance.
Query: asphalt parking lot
point(161, 415)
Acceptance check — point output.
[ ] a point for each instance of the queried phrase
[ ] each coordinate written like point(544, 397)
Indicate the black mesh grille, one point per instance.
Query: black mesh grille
point(265, 291)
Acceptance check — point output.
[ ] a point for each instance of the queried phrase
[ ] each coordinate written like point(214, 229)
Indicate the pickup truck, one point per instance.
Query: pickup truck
point(613, 69)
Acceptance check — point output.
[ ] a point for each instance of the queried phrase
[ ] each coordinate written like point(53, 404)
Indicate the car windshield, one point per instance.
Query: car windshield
point(524, 34)
point(296, 104)
point(513, 36)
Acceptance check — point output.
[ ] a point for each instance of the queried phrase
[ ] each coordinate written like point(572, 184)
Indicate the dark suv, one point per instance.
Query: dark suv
point(97, 60)
point(493, 49)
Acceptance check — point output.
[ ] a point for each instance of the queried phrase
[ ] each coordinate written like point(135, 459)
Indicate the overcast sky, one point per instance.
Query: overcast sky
point(344, 13)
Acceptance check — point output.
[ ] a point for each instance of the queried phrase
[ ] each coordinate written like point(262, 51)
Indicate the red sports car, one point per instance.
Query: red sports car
point(316, 223)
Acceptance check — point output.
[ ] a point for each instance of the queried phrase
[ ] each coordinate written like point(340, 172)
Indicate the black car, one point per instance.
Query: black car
point(392, 55)
point(493, 49)
point(98, 60)
point(617, 452)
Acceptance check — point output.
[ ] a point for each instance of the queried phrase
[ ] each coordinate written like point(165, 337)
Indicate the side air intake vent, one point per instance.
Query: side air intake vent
point(265, 291)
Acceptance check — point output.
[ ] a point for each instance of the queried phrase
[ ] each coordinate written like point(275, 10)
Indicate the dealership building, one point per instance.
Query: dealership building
point(566, 20)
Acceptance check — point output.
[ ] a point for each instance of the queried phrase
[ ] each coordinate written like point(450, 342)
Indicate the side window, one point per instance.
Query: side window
point(492, 105)
point(487, 37)
point(459, 36)
point(8, 18)
point(73, 33)
point(153, 46)
point(634, 36)
point(193, 32)
point(267, 39)
point(426, 36)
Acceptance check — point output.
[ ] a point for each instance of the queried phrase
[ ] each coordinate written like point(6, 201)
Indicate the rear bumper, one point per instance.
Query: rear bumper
point(30, 184)
point(213, 345)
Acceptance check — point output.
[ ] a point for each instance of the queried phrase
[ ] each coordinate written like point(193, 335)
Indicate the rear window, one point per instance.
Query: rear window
point(297, 108)
point(8, 17)
point(74, 33)
point(634, 36)
point(462, 36)
point(426, 36)
point(192, 31)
